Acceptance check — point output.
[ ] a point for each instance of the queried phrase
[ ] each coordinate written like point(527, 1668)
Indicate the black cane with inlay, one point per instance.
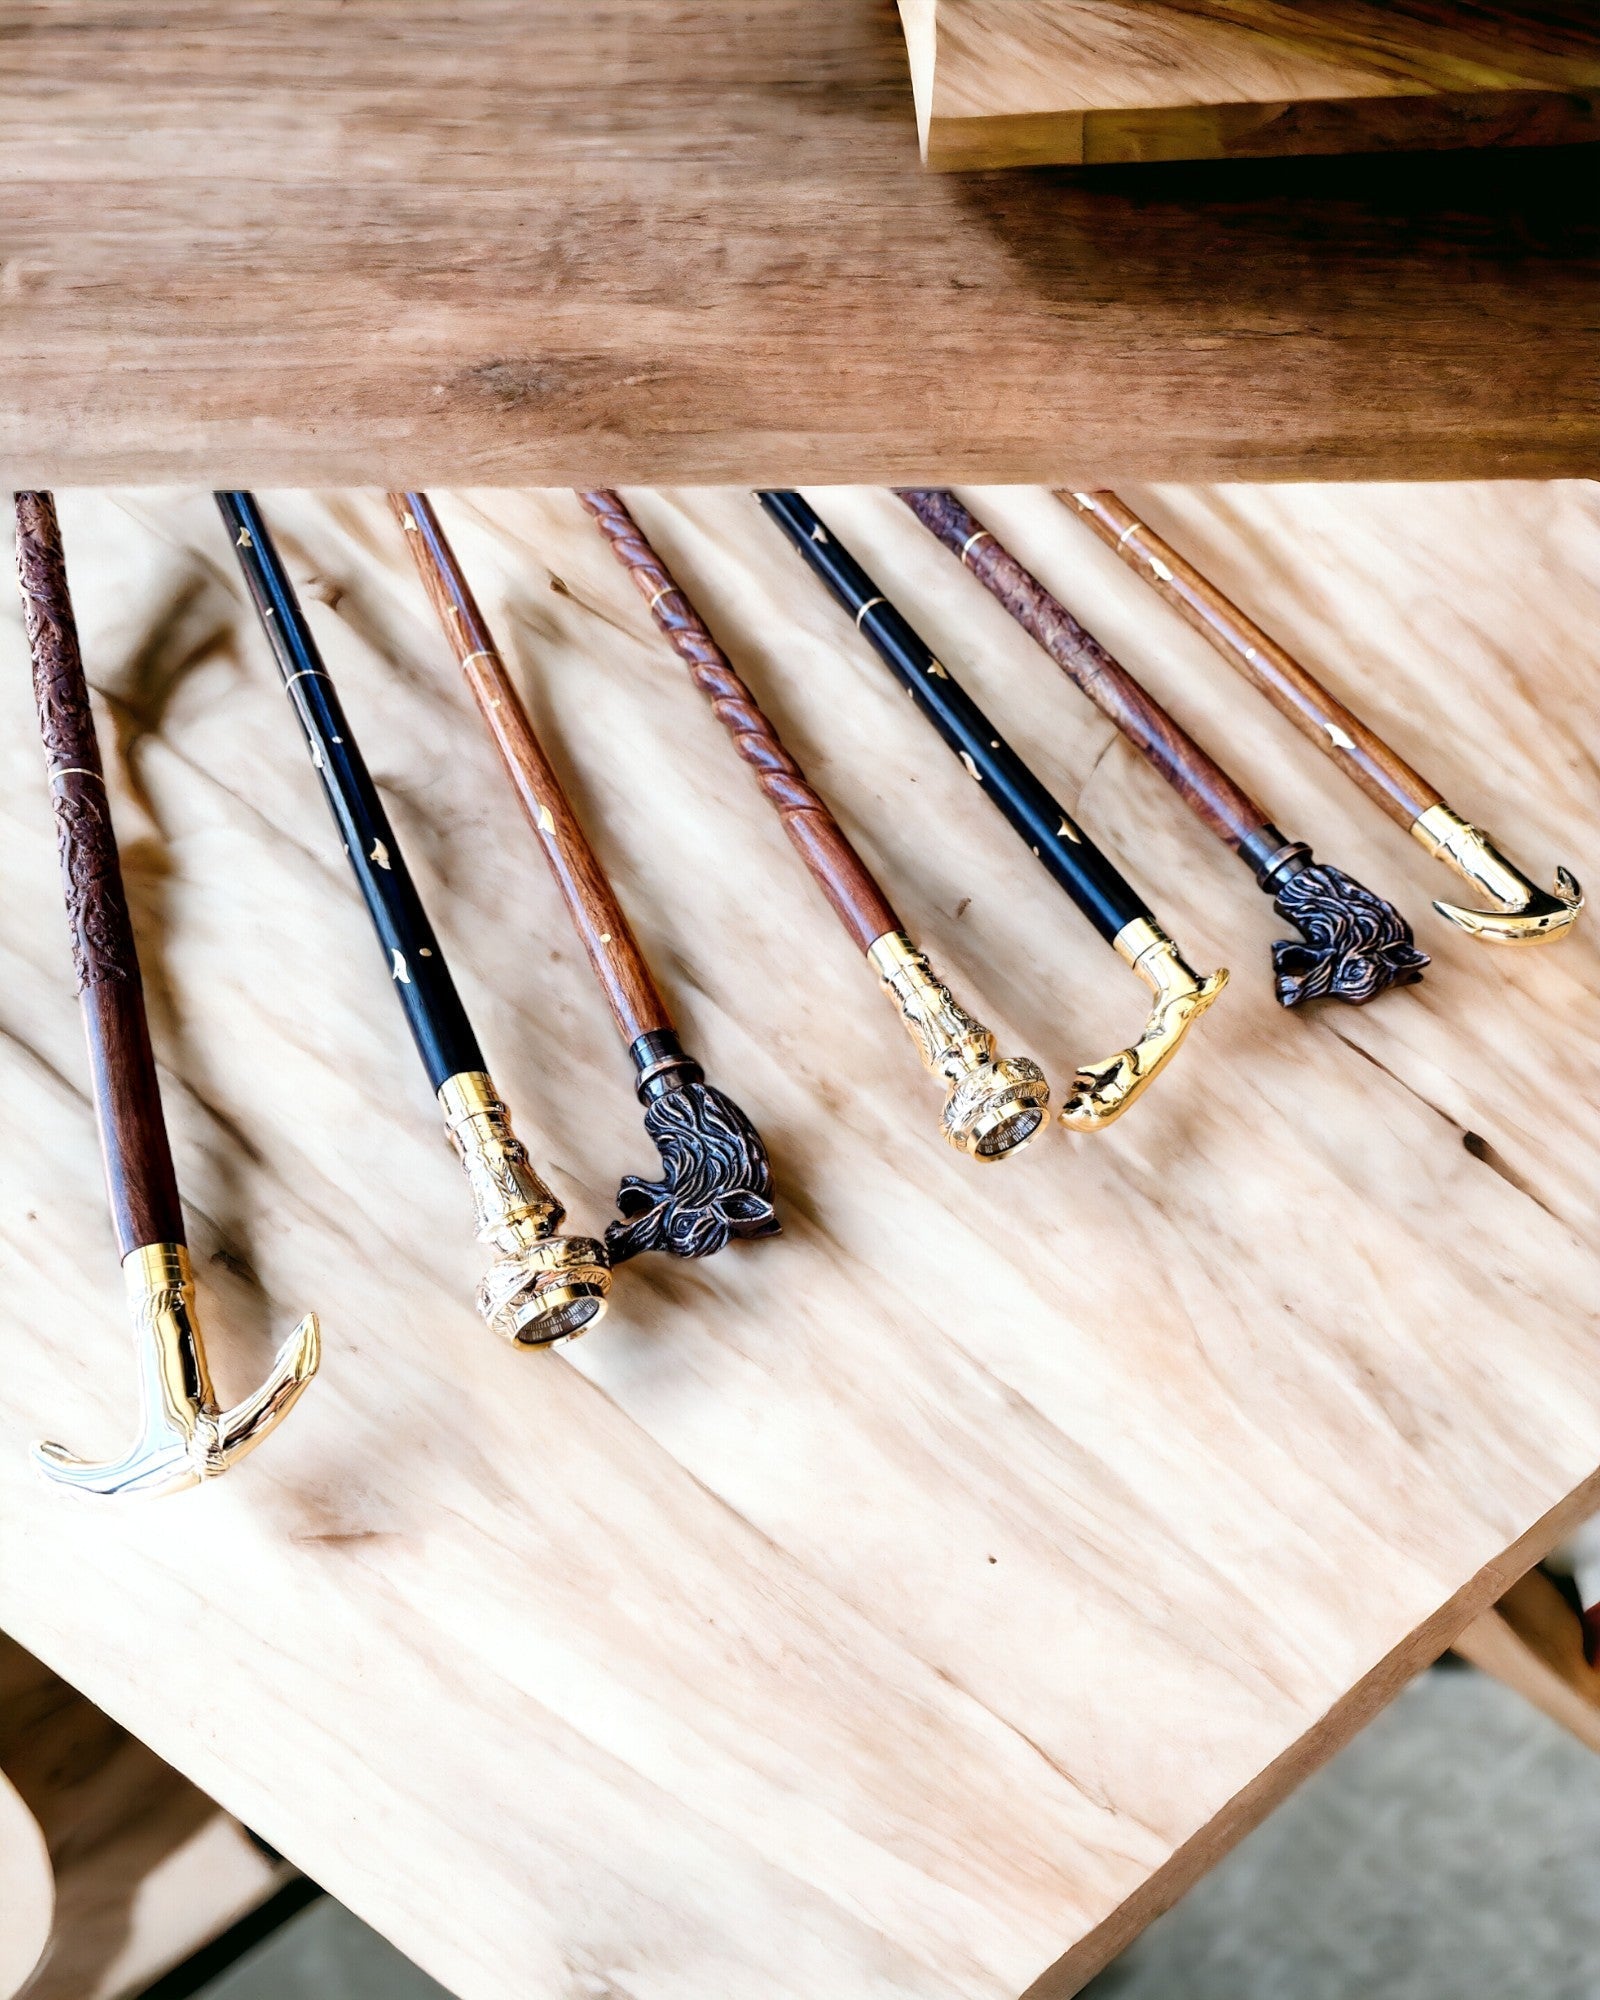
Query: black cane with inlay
point(541, 1287)
point(1101, 1091)
point(1352, 945)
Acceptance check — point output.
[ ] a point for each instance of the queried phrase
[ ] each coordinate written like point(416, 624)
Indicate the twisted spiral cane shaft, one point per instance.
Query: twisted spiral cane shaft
point(821, 842)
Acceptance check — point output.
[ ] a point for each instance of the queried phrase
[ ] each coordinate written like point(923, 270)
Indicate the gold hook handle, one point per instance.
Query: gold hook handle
point(185, 1437)
point(1527, 913)
point(1102, 1091)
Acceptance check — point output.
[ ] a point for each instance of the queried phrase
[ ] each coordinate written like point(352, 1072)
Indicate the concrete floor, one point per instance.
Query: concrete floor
point(1452, 1852)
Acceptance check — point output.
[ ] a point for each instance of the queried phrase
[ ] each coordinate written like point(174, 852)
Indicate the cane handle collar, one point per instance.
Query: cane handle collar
point(541, 1287)
point(185, 1437)
point(994, 1104)
point(1526, 914)
point(1102, 1091)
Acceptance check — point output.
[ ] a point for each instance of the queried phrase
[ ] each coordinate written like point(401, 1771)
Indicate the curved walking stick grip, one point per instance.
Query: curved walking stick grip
point(184, 1436)
point(1102, 1091)
point(1526, 914)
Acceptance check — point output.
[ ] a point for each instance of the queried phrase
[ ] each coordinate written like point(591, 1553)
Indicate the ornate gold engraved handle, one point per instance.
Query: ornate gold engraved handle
point(541, 1287)
point(995, 1104)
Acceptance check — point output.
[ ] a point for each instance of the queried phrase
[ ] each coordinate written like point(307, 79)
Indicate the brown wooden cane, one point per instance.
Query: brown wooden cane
point(619, 964)
point(1225, 807)
point(140, 1181)
point(994, 1104)
point(717, 1182)
point(1353, 946)
point(839, 871)
point(1383, 776)
point(184, 1436)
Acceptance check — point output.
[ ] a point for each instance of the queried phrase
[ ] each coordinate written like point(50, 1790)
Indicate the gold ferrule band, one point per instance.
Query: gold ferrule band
point(470, 1093)
point(1134, 940)
point(1473, 855)
point(157, 1267)
point(893, 952)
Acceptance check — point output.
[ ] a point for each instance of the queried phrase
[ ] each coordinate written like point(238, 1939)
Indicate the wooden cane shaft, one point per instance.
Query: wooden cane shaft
point(1383, 776)
point(1229, 811)
point(140, 1183)
point(839, 871)
point(619, 964)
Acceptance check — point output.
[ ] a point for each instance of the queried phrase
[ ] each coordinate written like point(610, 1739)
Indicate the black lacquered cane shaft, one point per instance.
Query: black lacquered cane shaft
point(1099, 889)
point(414, 962)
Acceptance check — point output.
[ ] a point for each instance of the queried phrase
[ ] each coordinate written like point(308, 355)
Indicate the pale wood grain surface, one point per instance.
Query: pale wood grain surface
point(914, 1602)
point(27, 1891)
point(146, 1868)
point(517, 241)
point(1004, 83)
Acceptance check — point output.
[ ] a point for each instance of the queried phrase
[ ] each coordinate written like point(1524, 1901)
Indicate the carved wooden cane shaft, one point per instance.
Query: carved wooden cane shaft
point(185, 1435)
point(1353, 945)
point(816, 835)
point(140, 1180)
point(994, 1104)
point(1102, 1091)
point(541, 1287)
point(718, 1180)
point(1525, 914)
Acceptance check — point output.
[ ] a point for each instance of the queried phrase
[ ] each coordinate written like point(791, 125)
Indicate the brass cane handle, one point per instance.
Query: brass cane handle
point(995, 1104)
point(1102, 1091)
point(541, 1288)
point(185, 1437)
point(1526, 914)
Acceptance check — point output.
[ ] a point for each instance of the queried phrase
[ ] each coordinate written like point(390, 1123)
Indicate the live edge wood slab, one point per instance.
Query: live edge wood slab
point(908, 1607)
point(539, 241)
point(1007, 83)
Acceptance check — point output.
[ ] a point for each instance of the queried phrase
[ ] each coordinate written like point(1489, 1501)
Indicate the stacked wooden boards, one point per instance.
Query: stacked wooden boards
point(1007, 83)
point(911, 1605)
point(141, 1868)
point(543, 242)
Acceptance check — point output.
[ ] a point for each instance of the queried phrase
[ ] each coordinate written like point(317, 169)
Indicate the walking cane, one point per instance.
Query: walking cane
point(717, 1179)
point(1526, 913)
point(184, 1436)
point(541, 1287)
point(994, 1104)
point(1353, 945)
point(1101, 1091)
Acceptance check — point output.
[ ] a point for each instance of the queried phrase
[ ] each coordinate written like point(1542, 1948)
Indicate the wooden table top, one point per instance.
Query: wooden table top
point(537, 241)
point(911, 1605)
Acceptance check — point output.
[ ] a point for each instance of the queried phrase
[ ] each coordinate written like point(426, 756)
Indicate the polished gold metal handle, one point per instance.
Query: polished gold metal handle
point(995, 1104)
point(541, 1288)
point(1526, 914)
point(185, 1437)
point(1101, 1092)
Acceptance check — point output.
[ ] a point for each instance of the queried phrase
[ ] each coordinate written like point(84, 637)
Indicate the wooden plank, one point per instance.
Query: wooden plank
point(147, 1869)
point(1532, 1641)
point(1008, 83)
point(533, 241)
point(915, 1603)
point(27, 1891)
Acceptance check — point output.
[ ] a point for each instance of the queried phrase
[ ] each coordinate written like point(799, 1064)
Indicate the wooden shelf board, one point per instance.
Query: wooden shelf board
point(528, 241)
point(1008, 83)
point(147, 1869)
